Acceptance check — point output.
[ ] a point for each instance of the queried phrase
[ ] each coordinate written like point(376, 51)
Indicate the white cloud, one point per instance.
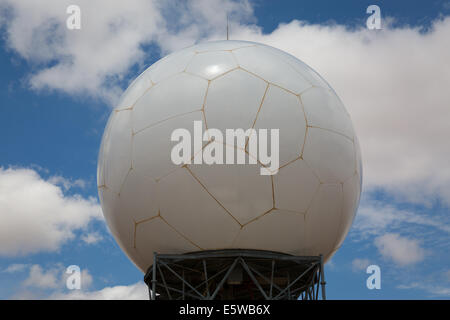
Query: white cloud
point(376, 217)
point(35, 215)
point(360, 264)
point(106, 46)
point(50, 283)
point(44, 283)
point(42, 279)
point(91, 238)
point(401, 250)
point(112, 37)
point(189, 22)
point(15, 267)
point(67, 183)
point(435, 290)
point(137, 291)
point(85, 276)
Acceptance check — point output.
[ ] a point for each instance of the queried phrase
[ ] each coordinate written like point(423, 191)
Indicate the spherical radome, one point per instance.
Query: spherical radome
point(153, 205)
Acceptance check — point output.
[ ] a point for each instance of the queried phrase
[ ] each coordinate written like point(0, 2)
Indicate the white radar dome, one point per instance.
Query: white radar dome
point(302, 203)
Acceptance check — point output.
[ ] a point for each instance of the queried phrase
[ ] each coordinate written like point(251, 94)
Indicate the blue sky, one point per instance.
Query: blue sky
point(55, 104)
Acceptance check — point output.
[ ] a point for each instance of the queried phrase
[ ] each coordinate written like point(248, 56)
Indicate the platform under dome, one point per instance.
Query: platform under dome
point(236, 274)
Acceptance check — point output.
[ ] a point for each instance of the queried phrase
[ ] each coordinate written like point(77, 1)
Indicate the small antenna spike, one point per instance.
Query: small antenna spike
point(228, 38)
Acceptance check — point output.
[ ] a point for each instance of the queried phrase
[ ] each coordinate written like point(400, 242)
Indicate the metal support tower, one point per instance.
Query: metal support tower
point(235, 274)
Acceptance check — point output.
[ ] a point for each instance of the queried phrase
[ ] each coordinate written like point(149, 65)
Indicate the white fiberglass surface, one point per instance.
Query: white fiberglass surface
point(152, 204)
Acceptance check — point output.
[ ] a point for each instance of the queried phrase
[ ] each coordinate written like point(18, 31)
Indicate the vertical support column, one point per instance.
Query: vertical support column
point(155, 257)
point(271, 279)
point(183, 286)
point(322, 278)
point(206, 279)
point(289, 288)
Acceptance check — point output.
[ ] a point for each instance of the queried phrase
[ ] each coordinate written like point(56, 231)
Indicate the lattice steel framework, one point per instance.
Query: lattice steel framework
point(235, 274)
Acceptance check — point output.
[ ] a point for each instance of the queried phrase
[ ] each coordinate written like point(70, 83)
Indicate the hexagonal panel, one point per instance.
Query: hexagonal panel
point(195, 213)
point(304, 70)
point(118, 155)
point(324, 109)
point(157, 236)
point(139, 196)
point(240, 188)
point(222, 45)
point(329, 155)
point(295, 186)
point(269, 67)
point(108, 203)
point(282, 110)
point(120, 224)
point(351, 192)
point(152, 147)
point(358, 163)
point(210, 65)
point(102, 155)
point(136, 89)
point(231, 106)
point(279, 231)
point(172, 64)
point(323, 219)
point(182, 94)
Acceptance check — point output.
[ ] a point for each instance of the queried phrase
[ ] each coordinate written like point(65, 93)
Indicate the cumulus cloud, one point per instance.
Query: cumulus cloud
point(36, 215)
point(359, 264)
point(401, 250)
point(92, 237)
point(50, 283)
point(378, 220)
point(111, 40)
point(79, 61)
point(39, 278)
point(85, 276)
point(434, 290)
point(15, 267)
point(137, 291)
point(377, 217)
point(67, 183)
